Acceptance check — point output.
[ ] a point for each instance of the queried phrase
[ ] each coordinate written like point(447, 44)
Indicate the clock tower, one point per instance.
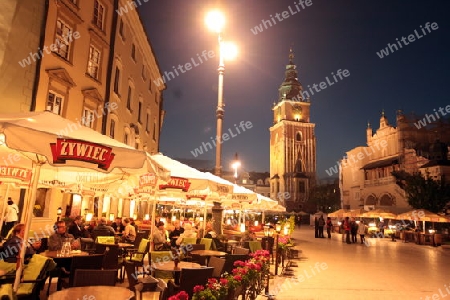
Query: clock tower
point(292, 143)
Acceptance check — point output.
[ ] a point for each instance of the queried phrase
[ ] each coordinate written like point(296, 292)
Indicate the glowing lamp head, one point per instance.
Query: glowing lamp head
point(215, 20)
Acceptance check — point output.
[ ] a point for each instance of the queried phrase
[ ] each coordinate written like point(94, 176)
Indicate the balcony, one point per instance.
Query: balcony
point(380, 181)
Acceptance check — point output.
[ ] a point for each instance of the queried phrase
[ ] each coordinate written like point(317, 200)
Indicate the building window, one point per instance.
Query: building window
point(139, 112)
point(62, 39)
point(125, 138)
point(133, 52)
point(129, 97)
point(94, 62)
point(88, 118)
point(54, 103)
point(154, 131)
point(147, 123)
point(99, 14)
point(298, 136)
point(117, 81)
point(121, 29)
point(301, 187)
point(112, 128)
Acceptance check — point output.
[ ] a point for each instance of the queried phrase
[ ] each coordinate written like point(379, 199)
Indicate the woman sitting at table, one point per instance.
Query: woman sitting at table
point(11, 248)
point(189, 232)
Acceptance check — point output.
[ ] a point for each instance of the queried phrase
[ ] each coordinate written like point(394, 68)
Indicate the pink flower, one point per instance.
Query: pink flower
point(223, 281)
point(198, 288)
point(237, 277)
point(212, 280)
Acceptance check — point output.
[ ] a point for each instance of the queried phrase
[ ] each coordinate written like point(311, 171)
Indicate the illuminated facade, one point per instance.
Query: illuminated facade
point(292, 144)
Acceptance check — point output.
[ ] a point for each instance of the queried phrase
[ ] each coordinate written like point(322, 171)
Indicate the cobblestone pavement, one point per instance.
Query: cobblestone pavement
point(331, 269)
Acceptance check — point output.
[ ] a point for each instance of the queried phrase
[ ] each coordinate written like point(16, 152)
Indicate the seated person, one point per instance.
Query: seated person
point(56, 240)
point(175, 234)
point(102, 229)
point(189, 232)
point(76, 228)
point(129, 234)
point(118, 225)
point(11, 248)
point(248, 236)
point(160, 238)
point(209, 231)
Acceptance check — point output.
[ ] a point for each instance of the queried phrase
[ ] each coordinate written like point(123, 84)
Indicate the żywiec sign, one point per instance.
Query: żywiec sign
point(71, 149)
point(148, 179)
point(176, 183)
point(240, 197)
point(16, 173)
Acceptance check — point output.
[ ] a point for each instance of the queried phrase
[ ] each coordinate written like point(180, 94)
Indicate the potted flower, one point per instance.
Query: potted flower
point(214, 290)
point(182, 295)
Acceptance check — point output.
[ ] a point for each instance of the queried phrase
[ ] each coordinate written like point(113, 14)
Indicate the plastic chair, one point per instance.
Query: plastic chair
point(207, 242)
point(254, 246)
point(217, 263)
point(159, 257)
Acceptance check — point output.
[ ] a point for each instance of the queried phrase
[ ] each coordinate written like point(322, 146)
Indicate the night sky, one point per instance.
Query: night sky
point(326, 36)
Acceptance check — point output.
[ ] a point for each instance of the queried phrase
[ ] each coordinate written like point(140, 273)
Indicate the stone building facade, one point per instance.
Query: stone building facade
point(365, 175)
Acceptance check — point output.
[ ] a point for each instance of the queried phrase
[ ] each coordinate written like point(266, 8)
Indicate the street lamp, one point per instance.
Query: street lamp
point(235, 165)
point(278, 230)
point(215, 21)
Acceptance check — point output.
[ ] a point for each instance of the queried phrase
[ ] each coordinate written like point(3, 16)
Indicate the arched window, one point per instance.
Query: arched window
point(386, 200)
point(298, 136)
point(371, 200)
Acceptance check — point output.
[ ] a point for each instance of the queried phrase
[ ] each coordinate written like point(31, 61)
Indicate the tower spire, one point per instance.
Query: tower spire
point(291, 55)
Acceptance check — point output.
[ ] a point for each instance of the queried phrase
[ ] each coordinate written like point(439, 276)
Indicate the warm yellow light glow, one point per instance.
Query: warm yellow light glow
point(89, 217)
point(147, 217)
point(286, 231)
point(174, 218)
point(215, 20)
point(256, 223)
point(111, 217)
point(242, 227)
point(278, 228)
point(228, 222)
point(229, 50)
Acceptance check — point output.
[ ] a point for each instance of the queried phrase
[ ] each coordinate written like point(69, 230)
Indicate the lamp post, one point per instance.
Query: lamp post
point(278, 230)
point(235, 165)
point(216, 21)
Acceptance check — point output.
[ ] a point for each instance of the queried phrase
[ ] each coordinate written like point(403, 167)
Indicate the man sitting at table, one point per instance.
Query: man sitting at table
point(102, 229)
point(56, 240)
point(11, 248)
point(118, 226)
point(76, 228)
point(175, 233)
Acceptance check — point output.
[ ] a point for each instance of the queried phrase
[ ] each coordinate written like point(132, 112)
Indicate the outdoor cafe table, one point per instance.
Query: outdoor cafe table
point(170, 266)
point(54, 254)
point(208, 253)
point(93, 293)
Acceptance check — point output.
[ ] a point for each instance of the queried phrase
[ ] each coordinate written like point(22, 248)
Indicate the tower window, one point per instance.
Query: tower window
point(298, 136)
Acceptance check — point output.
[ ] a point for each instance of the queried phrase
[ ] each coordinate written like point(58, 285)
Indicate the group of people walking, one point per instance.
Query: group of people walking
point(350, 227)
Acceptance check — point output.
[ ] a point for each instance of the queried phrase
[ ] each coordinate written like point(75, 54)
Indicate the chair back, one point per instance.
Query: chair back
point(240, 250)
point(142, 251)
point(207, 242)
point(188, 240)
point(217, 263)
point(104, 240)
point(189, 278)
point(111, 258)
point(159, 257)
point(230, 259)
point(130, 270)
point(87, 244)
point(139, 236)
point(218, 245)
point(87, 277)
point(101, 232)
point(92, 262)
point(36, 269)
point(254, 246)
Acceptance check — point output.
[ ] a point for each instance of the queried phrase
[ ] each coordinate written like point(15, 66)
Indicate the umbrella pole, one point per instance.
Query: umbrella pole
point(205, 214)
point(27, 219)
point(5, 203)
point(152, 223)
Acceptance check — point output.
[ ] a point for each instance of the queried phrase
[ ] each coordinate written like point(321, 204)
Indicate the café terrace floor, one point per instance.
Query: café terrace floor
point(331, 269)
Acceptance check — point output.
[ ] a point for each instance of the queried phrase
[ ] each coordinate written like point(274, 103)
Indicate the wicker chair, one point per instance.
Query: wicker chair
point(92, 262)
point(217, 263)
point(240, 250)
point(230, 259)
point(87, 277)
point(135, 284)
point(189, 278)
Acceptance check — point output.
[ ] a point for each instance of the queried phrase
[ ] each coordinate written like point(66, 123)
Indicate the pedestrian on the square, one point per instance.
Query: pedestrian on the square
point(329, 227)
point(316, 227)
point(362, 227)
point(321, 224)
point(353, 229)
point(347, 230)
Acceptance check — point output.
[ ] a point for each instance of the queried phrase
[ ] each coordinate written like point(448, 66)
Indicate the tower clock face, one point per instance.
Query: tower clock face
point(297, 108)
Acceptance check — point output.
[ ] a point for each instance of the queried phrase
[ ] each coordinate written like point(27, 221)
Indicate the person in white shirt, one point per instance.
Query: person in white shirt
point(11, 216)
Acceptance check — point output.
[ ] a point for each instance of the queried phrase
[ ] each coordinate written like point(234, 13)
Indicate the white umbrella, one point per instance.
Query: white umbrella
point(48, 139)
